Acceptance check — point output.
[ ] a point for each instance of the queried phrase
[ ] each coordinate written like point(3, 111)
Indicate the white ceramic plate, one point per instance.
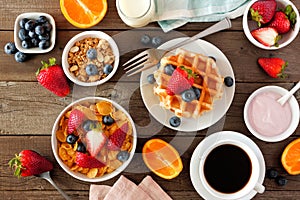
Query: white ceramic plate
point(81, 36)
point(34, 15)
point(221, 106)
point(206, 143)
point(78, 175)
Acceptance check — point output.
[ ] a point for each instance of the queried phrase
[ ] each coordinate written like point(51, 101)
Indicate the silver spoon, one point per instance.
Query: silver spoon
point(46, 176)
point(285, 97)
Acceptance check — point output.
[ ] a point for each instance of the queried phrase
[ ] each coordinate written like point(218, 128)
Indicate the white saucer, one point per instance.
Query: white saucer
point(205, 143)
point(221, 106)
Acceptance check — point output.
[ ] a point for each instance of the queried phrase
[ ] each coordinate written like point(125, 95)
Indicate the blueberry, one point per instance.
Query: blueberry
point(272, 173)
point(228, 81)
point(108, 120)
point(81, 147)
point(39, 30)
point(281, 180)
point(71, 139)
point(169, 69)
point(32, 34)
point(10, 48)
point(188, 95)
point(145, 39)
point(107, 69)
point(91, 69)
point(44, 44)
point(30, 25)
point(175, 121)
point(45, 36)
point(47, 26)
point(197, 92)
point(156, 41)
point(41, 19)
point(123, 156)
point(26, 44)
point(20, 57)
point(151, 79)
point(35, 42)
point(22, 22)
point(213, 58)
point(91, 53)
point(23, 34)
point(158, 65)
point(88, 125)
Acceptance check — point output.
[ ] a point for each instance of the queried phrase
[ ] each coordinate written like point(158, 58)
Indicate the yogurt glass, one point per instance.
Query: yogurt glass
point(266, 119)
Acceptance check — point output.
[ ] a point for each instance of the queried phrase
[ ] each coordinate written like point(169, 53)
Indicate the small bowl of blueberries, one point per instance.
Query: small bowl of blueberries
point(34, 32)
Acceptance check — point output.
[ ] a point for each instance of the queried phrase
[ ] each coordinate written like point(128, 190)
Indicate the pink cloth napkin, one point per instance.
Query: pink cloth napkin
point(123, 188)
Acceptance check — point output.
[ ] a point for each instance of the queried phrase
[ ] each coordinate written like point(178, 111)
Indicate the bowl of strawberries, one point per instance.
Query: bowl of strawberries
point(93, 139)
point(271, 24)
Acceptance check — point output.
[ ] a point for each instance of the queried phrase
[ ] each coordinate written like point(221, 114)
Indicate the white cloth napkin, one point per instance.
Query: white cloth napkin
point(124, 189)
point(172, 14)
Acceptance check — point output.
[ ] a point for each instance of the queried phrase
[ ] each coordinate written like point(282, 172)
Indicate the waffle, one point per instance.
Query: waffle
point(208, 80)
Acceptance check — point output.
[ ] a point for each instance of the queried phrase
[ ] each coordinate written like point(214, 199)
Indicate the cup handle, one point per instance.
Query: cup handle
point(259, 188)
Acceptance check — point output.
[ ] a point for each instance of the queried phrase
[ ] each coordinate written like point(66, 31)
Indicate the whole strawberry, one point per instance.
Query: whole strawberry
point(273, 66)
point(75, 120)
point(182, 79)
point(280, 22)
point(29, 163)
point(86, 161)
point(262, 11)
point(52, 77)
point(116, 140)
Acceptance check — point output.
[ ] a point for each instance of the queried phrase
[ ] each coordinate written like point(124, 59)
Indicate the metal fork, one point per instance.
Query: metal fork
point(151, 57)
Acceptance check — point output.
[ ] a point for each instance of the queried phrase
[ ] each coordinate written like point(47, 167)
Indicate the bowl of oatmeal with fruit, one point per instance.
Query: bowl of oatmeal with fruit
point(90, 58)
point(93, 139)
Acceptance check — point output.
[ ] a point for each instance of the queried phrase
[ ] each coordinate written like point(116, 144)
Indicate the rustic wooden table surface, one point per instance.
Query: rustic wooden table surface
point(28, 111)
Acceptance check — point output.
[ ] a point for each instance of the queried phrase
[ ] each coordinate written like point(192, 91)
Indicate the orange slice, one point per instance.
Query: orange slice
point(162, 158)
point(290, 157)
point(83, 13)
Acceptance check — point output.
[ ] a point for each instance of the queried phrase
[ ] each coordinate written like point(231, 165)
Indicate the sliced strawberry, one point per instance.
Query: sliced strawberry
point(273, 66)
point(29, 163)
point(280, 22)
point(117, 139)
point(182, 79)
point(262, 11)
point(267, 36)
point(95, 139)
point(86, 161)
point(75, 119)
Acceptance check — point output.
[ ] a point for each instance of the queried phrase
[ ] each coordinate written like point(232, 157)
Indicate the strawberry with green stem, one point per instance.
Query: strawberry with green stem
point(29, 163)
point(52, 77)
point(262, 11)
point(274, 67)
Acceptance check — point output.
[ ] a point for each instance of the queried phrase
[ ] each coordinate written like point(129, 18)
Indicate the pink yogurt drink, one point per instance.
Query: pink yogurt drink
point(266, 116)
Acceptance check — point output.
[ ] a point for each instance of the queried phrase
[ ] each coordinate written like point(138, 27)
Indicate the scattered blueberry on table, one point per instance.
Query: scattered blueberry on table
point(272, 173)
point(145, 39)
point(156, 41)
point(10, 48)
point(281, 180)
point(20, 57)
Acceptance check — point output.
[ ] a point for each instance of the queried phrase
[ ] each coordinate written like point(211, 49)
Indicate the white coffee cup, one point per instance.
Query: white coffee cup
point(252, 183)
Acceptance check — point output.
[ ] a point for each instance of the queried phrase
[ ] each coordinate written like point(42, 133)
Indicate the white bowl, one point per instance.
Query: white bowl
point(80, 36)
point(34, 15)
point(294, 110)
point(287, 38)
point(81, 176)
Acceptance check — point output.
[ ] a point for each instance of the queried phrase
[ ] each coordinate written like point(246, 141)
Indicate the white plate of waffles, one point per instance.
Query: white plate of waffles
point(218, 107)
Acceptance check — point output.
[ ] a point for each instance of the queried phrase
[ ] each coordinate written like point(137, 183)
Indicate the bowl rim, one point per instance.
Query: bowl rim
point(294, 109)
point(80, 36)
point(78, 175)
point(258, 44)
point(34, 15)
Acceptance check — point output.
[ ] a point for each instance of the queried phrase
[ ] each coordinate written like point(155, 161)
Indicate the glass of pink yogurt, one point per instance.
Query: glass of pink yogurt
point(266, 119)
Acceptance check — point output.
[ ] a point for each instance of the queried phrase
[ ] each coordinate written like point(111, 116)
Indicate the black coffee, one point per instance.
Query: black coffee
point(227, 168)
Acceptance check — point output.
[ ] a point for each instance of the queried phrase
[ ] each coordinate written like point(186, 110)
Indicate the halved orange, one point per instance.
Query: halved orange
point(83, 13)
point(290, 157)
point(162, 158)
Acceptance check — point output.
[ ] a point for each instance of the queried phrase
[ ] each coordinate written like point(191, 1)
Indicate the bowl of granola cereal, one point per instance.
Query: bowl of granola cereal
point(90, 58)
point(93, 139)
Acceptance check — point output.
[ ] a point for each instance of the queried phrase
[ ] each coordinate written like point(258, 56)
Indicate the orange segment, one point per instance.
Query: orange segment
point(290, 157)
point(83, 13)
point(162, 158)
